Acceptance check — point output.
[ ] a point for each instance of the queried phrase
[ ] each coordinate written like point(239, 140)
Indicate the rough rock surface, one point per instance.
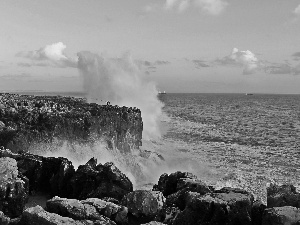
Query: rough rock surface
point(153, 223)
point(144, 203)
point(284, 195)
point(27, 120)
point(227, 207)
point(286, 215)
point(4, 220)
point(167, 184)
point(13, 190)
point(258, 209)
point(91, 209)
point(38, 216)
point(98, 181)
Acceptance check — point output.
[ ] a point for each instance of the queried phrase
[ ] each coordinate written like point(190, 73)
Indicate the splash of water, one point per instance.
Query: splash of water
point(120, 81)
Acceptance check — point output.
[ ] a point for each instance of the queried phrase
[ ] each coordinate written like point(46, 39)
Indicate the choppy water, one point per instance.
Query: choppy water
point(234, 139)
point(225, 139)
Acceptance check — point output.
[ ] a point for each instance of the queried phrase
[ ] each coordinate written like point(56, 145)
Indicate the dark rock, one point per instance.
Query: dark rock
point(171, 213)
point(286, 215)
point(184, 185)
point(13, 190)
point(38, 216)
point(284, 195)
point(147, 204)
point(167, 184)
point(4, 220)
point(153, 223)
point(216, 208)
point(258, 209)
point(113, 211)
point(99, 182)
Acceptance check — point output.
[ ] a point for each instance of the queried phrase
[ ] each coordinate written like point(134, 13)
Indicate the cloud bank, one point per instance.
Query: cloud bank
point(212, 7)
point(245, 59)
point(50, 55)
point(297, 10)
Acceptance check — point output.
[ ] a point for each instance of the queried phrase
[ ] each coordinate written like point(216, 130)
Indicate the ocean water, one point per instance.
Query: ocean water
point(235, 140)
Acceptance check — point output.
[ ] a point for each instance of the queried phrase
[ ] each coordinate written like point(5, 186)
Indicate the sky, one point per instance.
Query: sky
point(186, 46)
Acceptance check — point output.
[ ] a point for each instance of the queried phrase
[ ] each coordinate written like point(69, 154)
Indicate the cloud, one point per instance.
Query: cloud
point(212, 7)
point(15, 76)
point(246, 59)
point(297, 10)
point(161, 62)
point(50, 55)
point(200, 63)
point(296, 56)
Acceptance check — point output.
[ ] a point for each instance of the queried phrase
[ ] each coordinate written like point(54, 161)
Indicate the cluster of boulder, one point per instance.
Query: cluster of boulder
point(103, 195)
point(26, 120)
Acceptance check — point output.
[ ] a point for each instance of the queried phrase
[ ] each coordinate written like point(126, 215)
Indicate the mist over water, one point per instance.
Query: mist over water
point(121, 82)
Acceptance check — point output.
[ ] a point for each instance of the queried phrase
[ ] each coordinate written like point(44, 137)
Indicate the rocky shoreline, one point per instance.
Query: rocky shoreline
point(96, 193)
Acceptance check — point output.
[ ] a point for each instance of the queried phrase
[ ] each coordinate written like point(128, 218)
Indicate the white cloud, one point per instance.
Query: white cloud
point(213, 7)
point(51, 55)
point(246, 59)
point(297, 10)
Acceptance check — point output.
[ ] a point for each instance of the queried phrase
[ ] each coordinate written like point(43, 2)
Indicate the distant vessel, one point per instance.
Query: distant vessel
point(249, 94)
point(162, 93)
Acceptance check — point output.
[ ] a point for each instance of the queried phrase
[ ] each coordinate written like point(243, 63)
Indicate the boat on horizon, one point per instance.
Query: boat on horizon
point(162, 93)
point(248, 94)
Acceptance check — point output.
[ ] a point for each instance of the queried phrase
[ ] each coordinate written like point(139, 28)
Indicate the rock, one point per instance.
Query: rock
point(99, 181)
point(143, 203)
point(167, 184)
point(113, 211)
point(2, 125)
point(13, 189)
point(258, 209)
point(184, 185)
point(284, 195)
point(38, 216)
point(4, 220)
point(286, 215)
point(90, 209)
point(216, 208)
point(171, 213)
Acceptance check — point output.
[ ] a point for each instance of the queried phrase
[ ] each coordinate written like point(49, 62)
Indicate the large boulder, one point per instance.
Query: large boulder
point(91, 209)
point(184, 185)
point(115, 212)
point(38, 216)
point(13, 189)
point(284, 195)
point(286, 215)
point(99, 181)
point(223, 208)
point(258, 209)
point(167, 184)
point(144, 203)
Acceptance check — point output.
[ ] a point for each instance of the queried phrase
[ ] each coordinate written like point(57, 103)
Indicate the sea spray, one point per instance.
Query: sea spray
point(120, 82)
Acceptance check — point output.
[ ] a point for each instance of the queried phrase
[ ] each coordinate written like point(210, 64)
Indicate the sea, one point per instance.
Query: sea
point(226, 140)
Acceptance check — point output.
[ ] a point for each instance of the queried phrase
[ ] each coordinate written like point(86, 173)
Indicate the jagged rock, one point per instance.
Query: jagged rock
point(2, 125)
point(286, 215)
point(91, 181)
point(113, 211)
point(167, 184)
point(143, 203)
point(38, 216)
point(4, 220)
point(284, 195)
point(13, 189)
point(216, 208)
point(258, 209)
point(184, 185)
point(171, 213)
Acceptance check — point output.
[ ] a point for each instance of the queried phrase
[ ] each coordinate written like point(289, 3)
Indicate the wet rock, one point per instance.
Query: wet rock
point(167, 184)
point(284, 195)
point(216, 208)
point(286, 215)
point(4, 220)
point(13, 190)
point(38, 216)
point(147, 204)
point(258, 209)
point(113, 211)
point(184, 185)
point(99, 181)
